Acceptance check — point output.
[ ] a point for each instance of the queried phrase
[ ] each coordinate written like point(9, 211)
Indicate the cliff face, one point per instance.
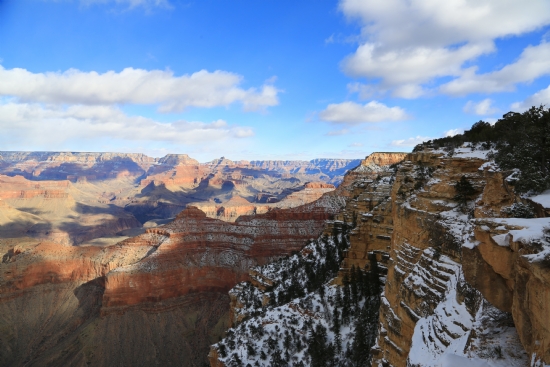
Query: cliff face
point(196, 253)
point(442, 262)
point(464, 282)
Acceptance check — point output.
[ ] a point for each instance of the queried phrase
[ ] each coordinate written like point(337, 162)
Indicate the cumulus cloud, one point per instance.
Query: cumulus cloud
point(407, 44)
point(481, 108)
point(135, 86)
point(32, 123)
point(532, 63)
point(352, 113)
point(410, 142)
point(542, 97)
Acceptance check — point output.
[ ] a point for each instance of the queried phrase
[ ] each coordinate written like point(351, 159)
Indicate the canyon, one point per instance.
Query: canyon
point(462, 283)
point(461, 280)
point(103, 198)
point(71, 295)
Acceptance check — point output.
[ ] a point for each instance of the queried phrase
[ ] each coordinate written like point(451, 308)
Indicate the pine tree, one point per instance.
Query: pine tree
point(335, 320)
point(464, 191)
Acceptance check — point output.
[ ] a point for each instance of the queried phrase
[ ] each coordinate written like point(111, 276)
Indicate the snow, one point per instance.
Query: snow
point(452, 337)
point(502, 240)
point(525, 230)
point(468, 153)
point(543, 199)
point(489, 166)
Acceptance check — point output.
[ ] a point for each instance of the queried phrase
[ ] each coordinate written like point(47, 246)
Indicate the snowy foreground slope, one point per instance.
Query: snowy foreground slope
point(426, 266)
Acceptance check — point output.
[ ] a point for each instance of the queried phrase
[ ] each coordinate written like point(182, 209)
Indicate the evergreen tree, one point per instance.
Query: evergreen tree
point(360, 344)
point(317, 346)
point(335, 320)
point(464, 191)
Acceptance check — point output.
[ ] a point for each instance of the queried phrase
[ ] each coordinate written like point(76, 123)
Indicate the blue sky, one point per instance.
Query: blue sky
point(267, 79)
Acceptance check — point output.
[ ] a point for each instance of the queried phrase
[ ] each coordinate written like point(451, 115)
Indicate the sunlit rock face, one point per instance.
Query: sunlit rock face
point(237, 206)
point(196, 253)
point(451, 291)
point(465, 283)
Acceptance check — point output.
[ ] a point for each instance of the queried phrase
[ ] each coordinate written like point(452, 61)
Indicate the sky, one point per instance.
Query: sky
point(269, 79)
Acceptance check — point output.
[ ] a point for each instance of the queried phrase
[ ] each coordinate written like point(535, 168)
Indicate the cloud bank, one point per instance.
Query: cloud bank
point(408, 44)
point(49, 125)
point(136, 86)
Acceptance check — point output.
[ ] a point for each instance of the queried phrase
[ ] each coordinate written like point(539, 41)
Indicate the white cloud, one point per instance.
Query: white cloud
point(453, 132)
point(481, 108)
point(532, 63)
point(541, 97)
point(37, 125)
point(354, 145)
point(135, 86)
point(410, 142)
point(404, 69)
point(409, 43)
point(352, 113)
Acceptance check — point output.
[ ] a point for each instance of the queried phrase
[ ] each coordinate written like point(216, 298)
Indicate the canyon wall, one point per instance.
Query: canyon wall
point(450, 267)
point(465, 283)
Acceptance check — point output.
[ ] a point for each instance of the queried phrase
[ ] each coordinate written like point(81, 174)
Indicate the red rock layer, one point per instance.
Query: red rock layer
point(26, 266)
point(318, 185)
point(200, 254)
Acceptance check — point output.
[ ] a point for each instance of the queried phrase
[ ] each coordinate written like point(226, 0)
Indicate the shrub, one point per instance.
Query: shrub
point(519, 210)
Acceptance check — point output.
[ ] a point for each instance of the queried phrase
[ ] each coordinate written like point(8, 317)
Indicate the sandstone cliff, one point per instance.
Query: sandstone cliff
point(464, 282)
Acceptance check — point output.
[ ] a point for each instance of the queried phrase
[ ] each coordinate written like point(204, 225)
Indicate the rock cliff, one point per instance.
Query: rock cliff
point(464, 281)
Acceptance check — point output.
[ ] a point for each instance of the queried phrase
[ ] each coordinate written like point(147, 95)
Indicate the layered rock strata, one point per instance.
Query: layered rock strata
point(232, 209)
point(440, 263)
point(160, 297)
point(196, 253)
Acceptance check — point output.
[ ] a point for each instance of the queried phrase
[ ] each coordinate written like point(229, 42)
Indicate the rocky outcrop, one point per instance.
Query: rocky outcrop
point(232, 209)
point(382, 159)
point(505, 268)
